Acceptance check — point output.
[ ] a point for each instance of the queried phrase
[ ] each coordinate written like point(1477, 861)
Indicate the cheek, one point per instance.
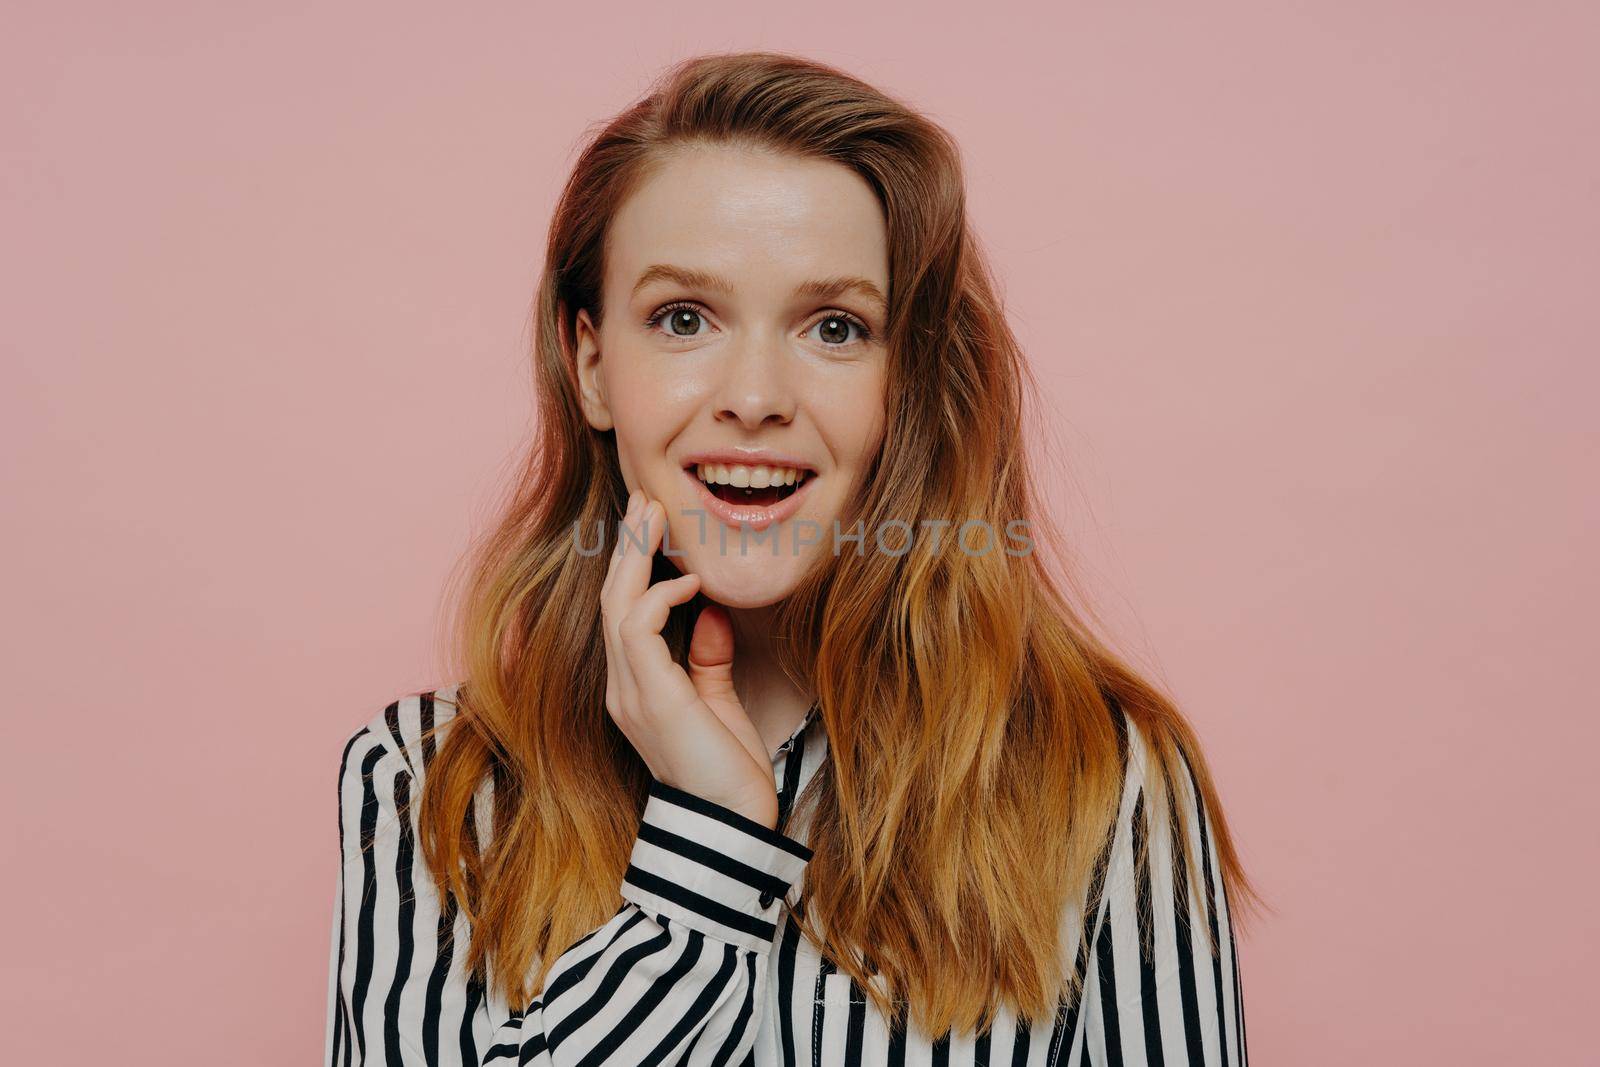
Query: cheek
point(855, 424)
point(640, 382)
point(647, 398)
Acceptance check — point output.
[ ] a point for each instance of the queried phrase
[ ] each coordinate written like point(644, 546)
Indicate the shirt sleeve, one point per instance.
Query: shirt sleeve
point(679, 974)
point(676, 975)
point(1162, 983)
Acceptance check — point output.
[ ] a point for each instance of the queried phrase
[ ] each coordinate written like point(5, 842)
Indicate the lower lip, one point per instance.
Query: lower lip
point(755, 516)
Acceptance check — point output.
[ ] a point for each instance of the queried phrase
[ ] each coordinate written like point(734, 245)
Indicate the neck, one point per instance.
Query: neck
point(771, 699)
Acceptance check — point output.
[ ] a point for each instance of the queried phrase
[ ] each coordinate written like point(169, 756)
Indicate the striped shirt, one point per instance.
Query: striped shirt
point(699, 966)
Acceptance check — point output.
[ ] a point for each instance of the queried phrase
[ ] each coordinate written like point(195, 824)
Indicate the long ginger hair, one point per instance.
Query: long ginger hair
point(974, 767)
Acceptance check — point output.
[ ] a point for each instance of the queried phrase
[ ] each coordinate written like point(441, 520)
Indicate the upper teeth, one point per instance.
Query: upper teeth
point(743, 477)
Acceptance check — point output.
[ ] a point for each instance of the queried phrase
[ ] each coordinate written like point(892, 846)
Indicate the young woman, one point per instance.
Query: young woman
point(806, 759)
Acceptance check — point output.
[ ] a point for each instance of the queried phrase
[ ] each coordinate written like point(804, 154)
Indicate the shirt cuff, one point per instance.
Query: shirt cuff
point(711, 868)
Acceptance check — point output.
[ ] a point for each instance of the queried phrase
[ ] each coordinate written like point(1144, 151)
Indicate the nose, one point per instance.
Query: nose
point(755, 388)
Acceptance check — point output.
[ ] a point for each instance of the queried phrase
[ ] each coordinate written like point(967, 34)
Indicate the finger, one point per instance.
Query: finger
point(632, 578)
point(631, 583)
point(636, 545)
point(631, 551)
point(619, 683)
point(639, 539)
point(710, 668)
point(710, 659)
point(628, 515)
point(643, 622)
point(663, 686)
point(616, 547)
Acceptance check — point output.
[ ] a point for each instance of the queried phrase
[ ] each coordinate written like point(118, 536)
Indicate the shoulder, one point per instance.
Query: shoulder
point(395, 744)
point(1160, 792)
point(1133, 748)
point(1150, 764)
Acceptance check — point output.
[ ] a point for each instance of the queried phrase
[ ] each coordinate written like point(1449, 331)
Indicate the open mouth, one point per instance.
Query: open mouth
point(757, 486)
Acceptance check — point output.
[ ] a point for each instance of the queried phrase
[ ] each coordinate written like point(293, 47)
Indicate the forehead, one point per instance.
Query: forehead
point(767, 221)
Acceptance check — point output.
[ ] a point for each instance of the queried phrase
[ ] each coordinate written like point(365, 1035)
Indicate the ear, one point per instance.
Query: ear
point(591, 391)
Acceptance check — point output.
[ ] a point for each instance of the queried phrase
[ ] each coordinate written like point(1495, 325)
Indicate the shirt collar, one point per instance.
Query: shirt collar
point(811, 713)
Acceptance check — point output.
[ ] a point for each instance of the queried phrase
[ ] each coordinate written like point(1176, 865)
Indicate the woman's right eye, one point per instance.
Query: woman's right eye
point(682, 320)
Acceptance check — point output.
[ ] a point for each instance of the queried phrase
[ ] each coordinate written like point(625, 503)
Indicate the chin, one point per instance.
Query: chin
point(756, 581)
point(747, 599)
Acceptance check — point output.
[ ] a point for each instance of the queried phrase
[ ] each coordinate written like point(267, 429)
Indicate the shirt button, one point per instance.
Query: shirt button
point(766, 899)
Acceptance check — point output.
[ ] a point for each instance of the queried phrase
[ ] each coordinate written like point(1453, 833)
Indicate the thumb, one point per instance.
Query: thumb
point(711, 655)
point(711, 671)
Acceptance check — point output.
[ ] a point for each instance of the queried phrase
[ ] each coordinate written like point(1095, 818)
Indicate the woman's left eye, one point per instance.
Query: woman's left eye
point(836, 327)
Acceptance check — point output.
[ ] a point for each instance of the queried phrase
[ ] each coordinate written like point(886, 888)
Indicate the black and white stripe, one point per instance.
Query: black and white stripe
point(701, 964)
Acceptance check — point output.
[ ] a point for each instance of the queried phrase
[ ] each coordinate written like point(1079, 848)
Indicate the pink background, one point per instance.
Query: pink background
point(1312, 289)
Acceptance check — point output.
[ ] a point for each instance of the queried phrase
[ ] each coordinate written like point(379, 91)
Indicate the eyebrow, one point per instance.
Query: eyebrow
point(820, 288)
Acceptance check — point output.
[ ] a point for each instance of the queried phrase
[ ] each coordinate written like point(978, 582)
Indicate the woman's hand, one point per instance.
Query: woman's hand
point(689, 726)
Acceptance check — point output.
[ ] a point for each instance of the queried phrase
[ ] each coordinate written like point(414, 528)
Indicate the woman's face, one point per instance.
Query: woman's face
point(736, 287)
